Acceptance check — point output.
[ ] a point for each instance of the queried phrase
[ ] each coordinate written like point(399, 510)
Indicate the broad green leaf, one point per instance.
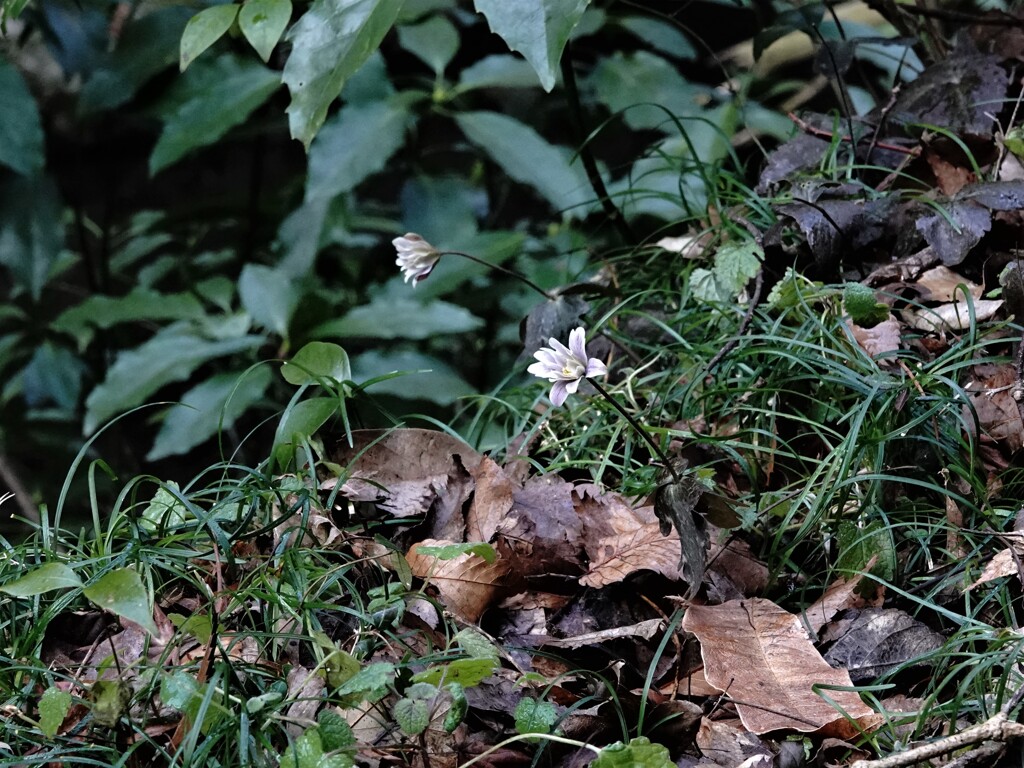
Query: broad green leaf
point(371, 683)
point(863, 306)
point(474, 644)
point(207, 409)
point(171, 355)
point(459, 707)
point(443, 204)
point(639, 753)
point(31, 232)
point(646, 89)
point(538, 29)
point(45, 578)
point(177, 689)
point(355, 144)
point(53, 376)
point(401, 319)
point(165, 510)
point(269, 297)
point(425, 377)
point(148, 44)
point(198, 625)
point(434, 42)
point(500, 70)
point(53, 708)
point(315, 361)
point(335, 732)
point(465, 672)
point(301, 421)
point(263, 22)
point(21, 132)
point(110, 699)
point(661, 35)
point(215, 102)
point(204, 29)
point(412, 715)
point(526, 157)
point(305, 752)
point(141, 304)
point(533, 716)
point(735, 265)
point(122, 592)
point(858, 546)
point(481, 549)
point(329, 43)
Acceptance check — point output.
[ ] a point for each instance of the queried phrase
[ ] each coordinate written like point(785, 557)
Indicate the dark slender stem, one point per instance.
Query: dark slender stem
point(638, 427)
point(503, 270)
point(586, 156)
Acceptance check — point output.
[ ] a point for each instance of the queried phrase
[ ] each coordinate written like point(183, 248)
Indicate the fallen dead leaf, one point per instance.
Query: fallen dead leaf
point(467, 584)
point(952, 316)
point(840, 595)
point(542, 531)
point(492, 499)
point(880, 639)
point(728, 744)
point(879, 340)
point(998, 415)
point(1003, 563)
point(762, 657)
point(943, 284)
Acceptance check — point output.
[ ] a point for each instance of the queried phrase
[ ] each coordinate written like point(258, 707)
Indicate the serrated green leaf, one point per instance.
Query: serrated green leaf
point(735, 265)
point(212, 103)
point(306, 752)
point(533, 716)
point(42, 579)
point(459, 707)
point(335, 732)
point(638, 753)
point(165, 510)
point(355, 144)
point(269, 297)
point(401, 319)
point(527, 158)
point(263, 22)
point(53, 708)
point(317, 360)
point(207, 409)
point(475, 645)
point(538, 29)
point(329, 43)
point(451, 551)
point(171, 355)
point(434, 42)
point(371, 683)
point(31, 232)
point(122, 592)
point(412, 715)
point(203, 30)
point(863, 306)
point(21, 131)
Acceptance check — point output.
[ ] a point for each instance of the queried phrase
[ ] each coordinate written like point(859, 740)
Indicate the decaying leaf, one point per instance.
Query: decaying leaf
point(467, 584)
point(762, 657)
point(840, 595)
point(728, 744)
point(492, 499)
point(955, 315)
point(675, 504)
point(998, 414)
point(880, 639)
point(1003, 563)
point(542, 530)
point(879, 340)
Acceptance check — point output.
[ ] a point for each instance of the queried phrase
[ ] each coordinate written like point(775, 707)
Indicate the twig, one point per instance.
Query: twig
point(807, 128)
point(997, 728)
point(586, 156)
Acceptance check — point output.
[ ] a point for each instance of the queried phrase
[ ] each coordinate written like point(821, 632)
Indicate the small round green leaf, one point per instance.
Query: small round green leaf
point(263, 22)
point(53, 708)
point(122, 592)
point(204, 29)
point(317, 360)
point(42, 579)
point(412, 715)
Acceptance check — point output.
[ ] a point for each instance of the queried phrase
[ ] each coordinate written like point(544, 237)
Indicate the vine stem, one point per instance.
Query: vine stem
point(497, 267)
point(522, 736)
point(638, 427)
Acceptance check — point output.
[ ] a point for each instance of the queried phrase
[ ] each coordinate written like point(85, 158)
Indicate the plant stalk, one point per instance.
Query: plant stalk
point(497, 267)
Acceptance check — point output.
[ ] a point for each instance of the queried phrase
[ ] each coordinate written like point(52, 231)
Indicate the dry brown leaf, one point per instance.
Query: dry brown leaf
point(620, 540)
point(762, 657)
point(949, 178)
point(997, 411)
point(1003, 563)
point(643, 629)
point(541, 532)
point(942, 284)
point(492, 500)
point(737, 562)
point(840, 595)
point(728, 744)
point(467, 584)
point(952, 316)
point(306, 691)
point(694, 684)
point(879, 340)
point(403, 470)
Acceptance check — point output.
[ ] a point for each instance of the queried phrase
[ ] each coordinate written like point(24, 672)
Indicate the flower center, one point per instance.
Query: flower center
point(573, 369)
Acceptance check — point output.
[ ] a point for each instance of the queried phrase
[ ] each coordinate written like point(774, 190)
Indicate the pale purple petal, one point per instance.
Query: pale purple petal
point(577, 344)
point(548, 357)
point(560, 348)
point(572, 385)
point(558, 393)
point(539, 369)
point(596, 368)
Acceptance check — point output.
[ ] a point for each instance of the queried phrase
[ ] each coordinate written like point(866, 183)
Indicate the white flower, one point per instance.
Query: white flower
point(416, 257)
point(565, 366)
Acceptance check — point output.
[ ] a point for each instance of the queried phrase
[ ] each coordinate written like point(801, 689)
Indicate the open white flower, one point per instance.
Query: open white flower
point(416, 257)
point(565, 366)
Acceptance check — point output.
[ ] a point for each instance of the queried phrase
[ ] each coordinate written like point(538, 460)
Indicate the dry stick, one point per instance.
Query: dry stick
point(586, 156)
point(1017, 392)
point(997, 728)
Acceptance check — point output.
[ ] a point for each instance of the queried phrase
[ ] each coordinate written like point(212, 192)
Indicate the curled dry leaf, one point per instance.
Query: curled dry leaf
point(840, 595)
point(880, 339)
point(880, 639)
point(954, 316)
point(1006, 562)
point(998, 414)
point(467, 584)
point(762, 657)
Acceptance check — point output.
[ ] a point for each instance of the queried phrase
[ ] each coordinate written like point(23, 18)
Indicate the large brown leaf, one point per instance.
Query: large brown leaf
point(492, 499)
point(542, 531)
point(762, 657)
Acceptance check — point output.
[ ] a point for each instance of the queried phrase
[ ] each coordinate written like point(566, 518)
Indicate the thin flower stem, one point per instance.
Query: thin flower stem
point(499, 268)
point(638, 427)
